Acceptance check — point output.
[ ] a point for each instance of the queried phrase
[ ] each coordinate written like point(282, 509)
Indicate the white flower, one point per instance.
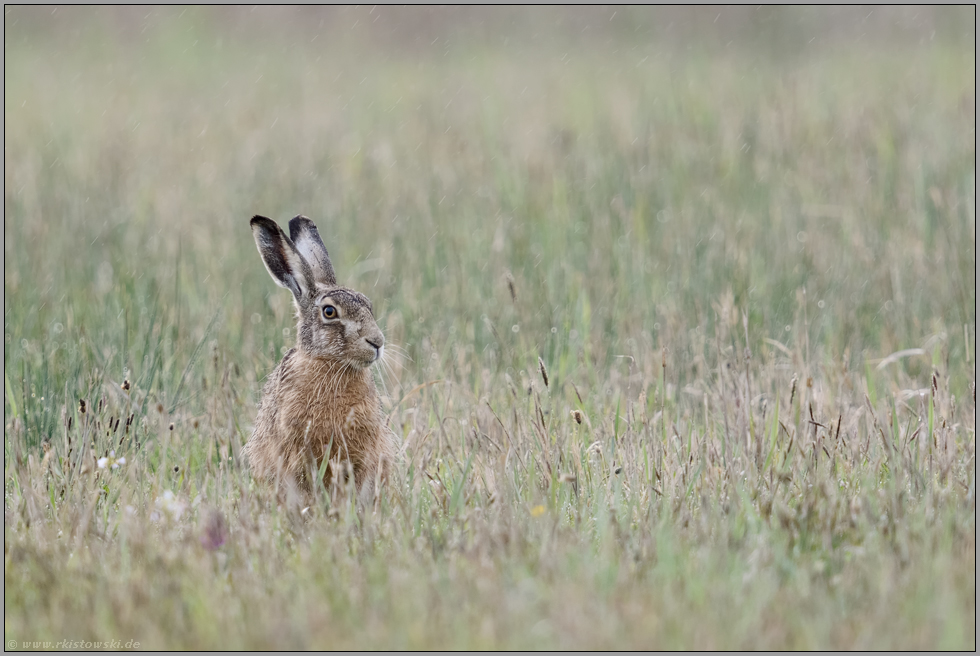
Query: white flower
point(111, 461)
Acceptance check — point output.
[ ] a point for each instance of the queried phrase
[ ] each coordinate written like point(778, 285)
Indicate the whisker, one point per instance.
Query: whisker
point(381, 376)
point(390, 369)
point(395, 348)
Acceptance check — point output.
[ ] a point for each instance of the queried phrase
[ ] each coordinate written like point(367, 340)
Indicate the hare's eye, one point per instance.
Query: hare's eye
point(329, 312)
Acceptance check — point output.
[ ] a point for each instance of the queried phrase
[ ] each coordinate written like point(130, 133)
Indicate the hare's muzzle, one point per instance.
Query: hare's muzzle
point(377, 342)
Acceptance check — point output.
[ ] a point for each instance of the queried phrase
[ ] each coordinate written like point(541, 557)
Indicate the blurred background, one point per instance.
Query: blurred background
point(505, 182)
point(783, 31)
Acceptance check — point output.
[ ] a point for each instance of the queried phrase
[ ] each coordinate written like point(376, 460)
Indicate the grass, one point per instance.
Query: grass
point(689, 330)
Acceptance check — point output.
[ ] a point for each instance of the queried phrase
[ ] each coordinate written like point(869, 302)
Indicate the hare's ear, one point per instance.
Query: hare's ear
point(285, 263)
point(304, 234)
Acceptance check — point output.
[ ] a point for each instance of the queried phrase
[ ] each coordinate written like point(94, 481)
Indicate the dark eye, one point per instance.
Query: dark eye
point(329, 312)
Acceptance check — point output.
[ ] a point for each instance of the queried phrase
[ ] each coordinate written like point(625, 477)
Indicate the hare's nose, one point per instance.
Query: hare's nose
point(378, 342)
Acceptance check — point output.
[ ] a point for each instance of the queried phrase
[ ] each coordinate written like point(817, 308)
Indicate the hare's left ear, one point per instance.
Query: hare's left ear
point(282, 259)
point(304, 234)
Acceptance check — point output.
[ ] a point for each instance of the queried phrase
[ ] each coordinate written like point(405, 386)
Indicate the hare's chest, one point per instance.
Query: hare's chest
point(326, 409)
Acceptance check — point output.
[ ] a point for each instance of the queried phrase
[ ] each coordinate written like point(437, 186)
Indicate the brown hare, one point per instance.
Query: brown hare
point(321, 401)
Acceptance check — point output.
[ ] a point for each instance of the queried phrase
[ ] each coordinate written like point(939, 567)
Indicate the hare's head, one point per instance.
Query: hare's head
point(333, 322)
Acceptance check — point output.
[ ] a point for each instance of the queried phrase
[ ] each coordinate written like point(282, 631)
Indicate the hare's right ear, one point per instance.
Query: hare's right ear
point(284, 262)
point(304, 234)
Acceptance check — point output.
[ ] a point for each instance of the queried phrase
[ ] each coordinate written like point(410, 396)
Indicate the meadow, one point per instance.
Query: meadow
point(683, 308)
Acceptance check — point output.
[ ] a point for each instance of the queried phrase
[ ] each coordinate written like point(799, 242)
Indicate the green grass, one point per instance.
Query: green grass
point(712, 249)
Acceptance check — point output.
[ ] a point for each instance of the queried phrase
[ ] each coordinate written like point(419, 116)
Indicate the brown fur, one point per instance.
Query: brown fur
point(310, 405)
point(321, 401)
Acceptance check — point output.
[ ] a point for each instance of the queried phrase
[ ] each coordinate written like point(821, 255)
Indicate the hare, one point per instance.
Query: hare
point(321, 401)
